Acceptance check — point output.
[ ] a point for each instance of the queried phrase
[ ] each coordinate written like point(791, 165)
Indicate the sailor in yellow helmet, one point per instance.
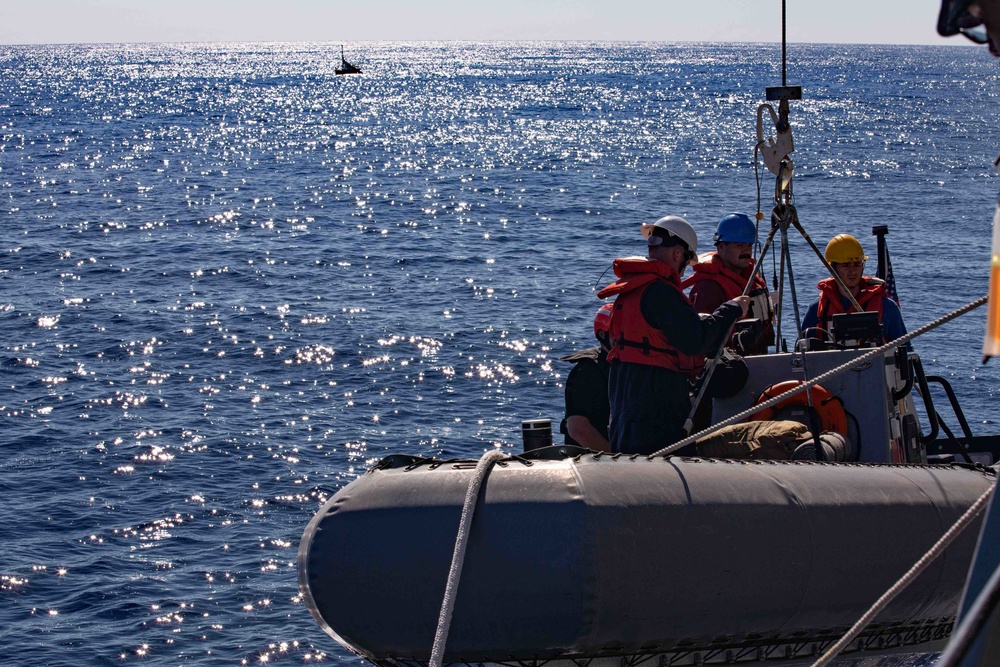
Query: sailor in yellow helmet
point(847, 257)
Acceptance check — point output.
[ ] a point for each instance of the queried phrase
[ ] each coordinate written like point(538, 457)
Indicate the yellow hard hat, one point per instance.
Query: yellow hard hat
point(845, 248)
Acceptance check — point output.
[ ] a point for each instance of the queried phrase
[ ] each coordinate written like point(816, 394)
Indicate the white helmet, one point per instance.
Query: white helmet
point(677, 226)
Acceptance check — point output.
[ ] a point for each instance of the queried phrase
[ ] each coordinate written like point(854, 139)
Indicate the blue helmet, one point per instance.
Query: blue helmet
point(735, 228)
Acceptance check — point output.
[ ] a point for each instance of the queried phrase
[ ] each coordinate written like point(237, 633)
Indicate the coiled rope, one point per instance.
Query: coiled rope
point(458, 557)
point(864, 358)
point(918, 567)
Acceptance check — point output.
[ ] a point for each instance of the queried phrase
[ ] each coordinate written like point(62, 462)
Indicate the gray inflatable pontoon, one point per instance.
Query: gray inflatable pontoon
point(586, 556)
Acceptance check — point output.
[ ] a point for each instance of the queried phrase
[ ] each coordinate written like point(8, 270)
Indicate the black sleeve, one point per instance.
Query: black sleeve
point(587, 394)
point(669, 311)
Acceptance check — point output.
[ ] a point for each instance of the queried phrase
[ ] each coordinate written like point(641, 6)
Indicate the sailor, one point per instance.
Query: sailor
point(847, 257)
point(587, 408)
point(979, 20)
point(658, 340)
point(722, 275)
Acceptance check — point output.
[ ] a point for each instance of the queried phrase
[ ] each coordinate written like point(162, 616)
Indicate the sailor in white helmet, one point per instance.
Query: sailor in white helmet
point(658, 341)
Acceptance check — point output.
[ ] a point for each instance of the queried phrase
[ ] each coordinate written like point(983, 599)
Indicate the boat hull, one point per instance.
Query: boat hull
point(595, 556)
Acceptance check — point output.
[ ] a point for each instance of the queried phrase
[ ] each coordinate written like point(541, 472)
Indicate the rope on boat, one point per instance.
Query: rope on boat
point(864, 358)
point(458, 557)
point(918, 567)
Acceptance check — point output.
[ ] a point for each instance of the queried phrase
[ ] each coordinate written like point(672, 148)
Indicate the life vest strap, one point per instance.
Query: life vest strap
point(644, 346)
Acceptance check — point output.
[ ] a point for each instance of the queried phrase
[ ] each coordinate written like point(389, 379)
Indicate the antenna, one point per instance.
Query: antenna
point(783, 42)
point(784, 92)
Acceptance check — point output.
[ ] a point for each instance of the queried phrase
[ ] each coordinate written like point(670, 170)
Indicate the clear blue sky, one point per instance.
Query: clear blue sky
point(77, 21)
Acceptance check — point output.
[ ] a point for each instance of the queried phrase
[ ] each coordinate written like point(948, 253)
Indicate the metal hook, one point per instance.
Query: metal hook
point(775, 149)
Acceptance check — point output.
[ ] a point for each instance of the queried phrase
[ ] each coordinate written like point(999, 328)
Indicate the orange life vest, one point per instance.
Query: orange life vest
point(633, 339)
point(710, 267)
point(732, 283)
point(830, 304)
point(830, 411)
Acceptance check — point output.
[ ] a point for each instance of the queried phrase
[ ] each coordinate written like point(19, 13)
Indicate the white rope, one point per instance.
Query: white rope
point(458, 557)
point(864, 358)
point(918, 567)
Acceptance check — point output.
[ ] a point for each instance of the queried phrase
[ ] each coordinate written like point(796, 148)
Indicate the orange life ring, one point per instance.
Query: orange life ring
point(829, 410)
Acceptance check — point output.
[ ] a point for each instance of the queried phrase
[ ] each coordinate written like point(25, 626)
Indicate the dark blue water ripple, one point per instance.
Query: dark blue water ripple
point(231, 281)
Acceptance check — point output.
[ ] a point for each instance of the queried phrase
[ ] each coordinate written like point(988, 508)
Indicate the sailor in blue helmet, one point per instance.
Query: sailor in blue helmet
point(658, 340)
point(722, 275)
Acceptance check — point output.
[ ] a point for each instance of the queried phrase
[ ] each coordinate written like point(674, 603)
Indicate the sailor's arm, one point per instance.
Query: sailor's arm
point(581, 430)
point(892, 320)
point(810, 320)
point(690, 332)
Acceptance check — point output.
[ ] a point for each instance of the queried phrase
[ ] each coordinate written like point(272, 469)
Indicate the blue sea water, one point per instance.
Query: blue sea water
point(230, 281)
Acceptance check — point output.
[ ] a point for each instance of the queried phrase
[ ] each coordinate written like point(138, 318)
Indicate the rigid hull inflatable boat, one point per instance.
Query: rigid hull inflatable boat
point(695, 561)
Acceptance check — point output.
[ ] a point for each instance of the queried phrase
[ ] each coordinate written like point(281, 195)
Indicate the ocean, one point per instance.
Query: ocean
point(231, 281)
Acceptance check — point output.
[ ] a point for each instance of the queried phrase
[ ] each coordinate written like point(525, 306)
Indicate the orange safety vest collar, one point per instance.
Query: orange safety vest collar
point(830, 304)
point(732, 283)
point(633, 339)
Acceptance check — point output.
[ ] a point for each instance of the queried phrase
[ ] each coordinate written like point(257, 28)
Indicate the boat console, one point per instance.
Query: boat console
point(882, 420)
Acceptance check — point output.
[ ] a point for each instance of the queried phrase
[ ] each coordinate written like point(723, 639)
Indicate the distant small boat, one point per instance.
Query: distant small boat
point(346, 67)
